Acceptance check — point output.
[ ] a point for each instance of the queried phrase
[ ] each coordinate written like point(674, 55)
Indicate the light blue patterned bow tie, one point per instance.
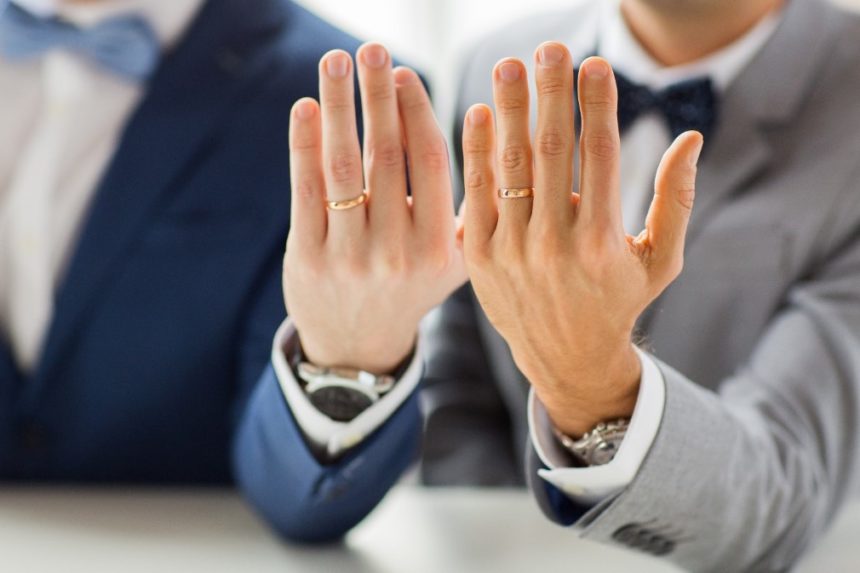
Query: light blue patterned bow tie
point(125, 45)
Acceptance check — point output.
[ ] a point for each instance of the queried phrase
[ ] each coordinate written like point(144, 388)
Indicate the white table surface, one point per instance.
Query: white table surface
point(414, 530)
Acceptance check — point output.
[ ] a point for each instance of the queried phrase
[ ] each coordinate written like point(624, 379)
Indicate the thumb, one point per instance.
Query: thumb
point(674, 191)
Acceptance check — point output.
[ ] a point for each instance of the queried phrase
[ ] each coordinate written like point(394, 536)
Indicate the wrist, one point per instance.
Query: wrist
point(376, 357)
point(606, 391)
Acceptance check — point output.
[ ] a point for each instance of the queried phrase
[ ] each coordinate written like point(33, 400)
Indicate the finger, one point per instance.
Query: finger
point(479, 149)
point(554, 134)
point(600, 147)
point(307, 209)
point(427, 157)
point(669, 214)
point(514, 149)
point(341, 152)
point(384, 161)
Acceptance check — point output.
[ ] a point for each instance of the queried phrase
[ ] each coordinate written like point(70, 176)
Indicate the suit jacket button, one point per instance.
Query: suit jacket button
point(662, 547)
point(627, 534)
point(644, 539)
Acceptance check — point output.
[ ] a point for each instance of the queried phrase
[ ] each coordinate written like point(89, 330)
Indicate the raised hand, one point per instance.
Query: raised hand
point(364, 262)
point(555, 272)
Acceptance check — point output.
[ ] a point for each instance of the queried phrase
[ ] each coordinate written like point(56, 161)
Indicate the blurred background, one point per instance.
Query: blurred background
point(433, 35)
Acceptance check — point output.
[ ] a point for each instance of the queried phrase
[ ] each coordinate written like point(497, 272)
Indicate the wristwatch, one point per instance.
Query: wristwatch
point(597, 447)
point(343, 393)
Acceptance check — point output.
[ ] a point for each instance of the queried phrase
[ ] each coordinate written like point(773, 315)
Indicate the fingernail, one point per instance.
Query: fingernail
point(374, 56)
point(404, 77)
point(596, 69)
point(509, 72)
point(337, 65)
point(550, 55)
point(477, 115)
point(304, 109)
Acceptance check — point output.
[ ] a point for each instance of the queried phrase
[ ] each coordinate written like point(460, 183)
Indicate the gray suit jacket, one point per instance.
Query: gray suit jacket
point(758, 340)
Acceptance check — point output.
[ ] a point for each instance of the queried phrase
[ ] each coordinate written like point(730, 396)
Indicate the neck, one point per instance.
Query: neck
point(677, 32)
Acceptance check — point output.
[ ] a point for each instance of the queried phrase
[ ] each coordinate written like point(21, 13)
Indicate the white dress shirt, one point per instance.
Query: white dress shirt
point(61, 119)
point(642, 147)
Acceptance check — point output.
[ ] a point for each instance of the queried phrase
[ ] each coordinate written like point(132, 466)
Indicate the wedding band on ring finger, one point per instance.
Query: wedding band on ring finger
point(516, 192)
point(346, 204)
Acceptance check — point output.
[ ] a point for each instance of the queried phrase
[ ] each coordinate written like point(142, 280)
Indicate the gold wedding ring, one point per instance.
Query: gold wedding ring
point(347, 203)
point(516, 192)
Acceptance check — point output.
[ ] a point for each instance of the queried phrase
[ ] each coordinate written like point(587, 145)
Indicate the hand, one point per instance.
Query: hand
point(556, 274)
point(358, 281)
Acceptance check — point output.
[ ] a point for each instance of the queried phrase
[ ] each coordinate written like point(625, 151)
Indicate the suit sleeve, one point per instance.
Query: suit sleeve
point(746, 478)
point(301, 493)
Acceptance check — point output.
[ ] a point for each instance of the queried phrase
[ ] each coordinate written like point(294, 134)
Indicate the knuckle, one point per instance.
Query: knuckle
point(547, 246)
point(553, 142)
point(391, 263)
point(515, 157)
point(543, 254)
point(599, 102)
point(304, 140)
point(299, 262)
point(590, 250)
point(512, 245)
point(601, 146)
point(476, 179)
point(306, 189)
point(438, 260)
point(339, 104)
point(313, 266)
point(478, 254)
point(353, 269)
point(434, 155)
point(385, 154)
point(512, 105)
point(553, 86)
point(380, 92)
point(686, 197)
point(412, 99)
point(344, 167)
point(476, 146)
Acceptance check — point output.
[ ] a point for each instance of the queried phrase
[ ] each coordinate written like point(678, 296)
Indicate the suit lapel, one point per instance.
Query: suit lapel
point(736, 155)
point(768, 93)
point(191, 92)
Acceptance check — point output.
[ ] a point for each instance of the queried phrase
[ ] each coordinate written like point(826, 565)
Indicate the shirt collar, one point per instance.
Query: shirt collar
point(620, 47)
point(168, 18)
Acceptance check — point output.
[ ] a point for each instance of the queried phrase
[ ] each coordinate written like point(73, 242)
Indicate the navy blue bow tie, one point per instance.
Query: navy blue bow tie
point(125, 45)
point(691, 104)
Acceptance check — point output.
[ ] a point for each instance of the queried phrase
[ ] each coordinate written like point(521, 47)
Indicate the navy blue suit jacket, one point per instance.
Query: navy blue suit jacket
point(165, 318)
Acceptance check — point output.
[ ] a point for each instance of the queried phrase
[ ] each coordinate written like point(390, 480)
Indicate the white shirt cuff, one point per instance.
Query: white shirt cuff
point(323, 432)
point(590, 485)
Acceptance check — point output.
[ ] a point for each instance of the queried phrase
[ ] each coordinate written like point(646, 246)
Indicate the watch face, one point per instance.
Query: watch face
point(604, 453)
point(339, 403)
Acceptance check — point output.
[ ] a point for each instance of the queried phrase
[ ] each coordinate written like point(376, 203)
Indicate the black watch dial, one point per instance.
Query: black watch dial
point(339, 403)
